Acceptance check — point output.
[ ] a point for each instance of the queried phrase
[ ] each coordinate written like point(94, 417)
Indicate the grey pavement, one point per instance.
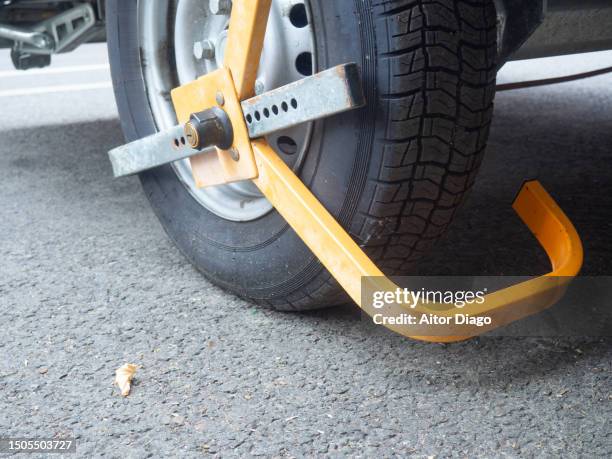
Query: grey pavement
point(89, 281)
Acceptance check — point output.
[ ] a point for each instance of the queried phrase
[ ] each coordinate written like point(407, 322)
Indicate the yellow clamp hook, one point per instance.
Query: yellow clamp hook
point(351, 267)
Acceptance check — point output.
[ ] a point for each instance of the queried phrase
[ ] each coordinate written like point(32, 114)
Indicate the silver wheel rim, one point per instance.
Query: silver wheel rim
point(289, 38)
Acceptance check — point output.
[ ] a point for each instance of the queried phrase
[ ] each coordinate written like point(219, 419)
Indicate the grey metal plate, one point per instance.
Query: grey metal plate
point(327, 93)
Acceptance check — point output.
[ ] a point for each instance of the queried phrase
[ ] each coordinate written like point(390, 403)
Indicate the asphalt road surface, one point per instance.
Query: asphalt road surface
point(89, 281)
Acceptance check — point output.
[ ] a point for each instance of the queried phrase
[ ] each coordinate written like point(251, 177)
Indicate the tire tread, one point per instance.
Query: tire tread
point(436, 69)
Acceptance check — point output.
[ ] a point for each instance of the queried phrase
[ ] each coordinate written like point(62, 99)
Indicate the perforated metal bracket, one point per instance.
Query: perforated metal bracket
point(65, 30)
point(325, 94)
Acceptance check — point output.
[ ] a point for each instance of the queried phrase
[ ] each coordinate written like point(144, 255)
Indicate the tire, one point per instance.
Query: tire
point(393, 173)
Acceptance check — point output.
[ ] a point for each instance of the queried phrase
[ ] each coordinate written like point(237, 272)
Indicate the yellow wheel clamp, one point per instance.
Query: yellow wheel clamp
point(221, 132)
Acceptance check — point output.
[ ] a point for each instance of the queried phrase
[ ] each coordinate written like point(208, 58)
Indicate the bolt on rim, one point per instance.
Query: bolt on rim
point(198, 38)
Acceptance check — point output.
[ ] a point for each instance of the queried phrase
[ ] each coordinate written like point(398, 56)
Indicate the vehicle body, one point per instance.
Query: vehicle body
point(527, 29)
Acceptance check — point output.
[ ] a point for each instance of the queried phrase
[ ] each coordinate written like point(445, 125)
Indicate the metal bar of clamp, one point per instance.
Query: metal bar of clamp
point(327, 93)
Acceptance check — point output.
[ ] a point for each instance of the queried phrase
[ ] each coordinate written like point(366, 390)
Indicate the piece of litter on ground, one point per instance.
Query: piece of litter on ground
point(124, 376)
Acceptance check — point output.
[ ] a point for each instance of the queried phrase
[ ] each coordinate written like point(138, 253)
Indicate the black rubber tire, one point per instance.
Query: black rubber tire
point(393, 173)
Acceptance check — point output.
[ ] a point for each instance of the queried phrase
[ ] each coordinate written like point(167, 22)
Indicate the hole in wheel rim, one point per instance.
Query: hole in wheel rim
point(303, 63)
point(287, 145)
point(298, 16)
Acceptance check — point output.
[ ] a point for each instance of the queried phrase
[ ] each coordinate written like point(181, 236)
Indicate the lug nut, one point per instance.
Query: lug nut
point(204, 49)
point(220, 7)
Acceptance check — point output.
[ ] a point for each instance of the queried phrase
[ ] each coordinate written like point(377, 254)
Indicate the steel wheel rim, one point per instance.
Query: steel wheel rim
point(168, 30)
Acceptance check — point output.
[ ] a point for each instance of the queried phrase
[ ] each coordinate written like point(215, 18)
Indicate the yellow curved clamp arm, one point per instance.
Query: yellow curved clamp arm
point(349, 265)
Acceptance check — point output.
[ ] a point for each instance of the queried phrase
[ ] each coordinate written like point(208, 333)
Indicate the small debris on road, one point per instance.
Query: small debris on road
point(124, 376)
